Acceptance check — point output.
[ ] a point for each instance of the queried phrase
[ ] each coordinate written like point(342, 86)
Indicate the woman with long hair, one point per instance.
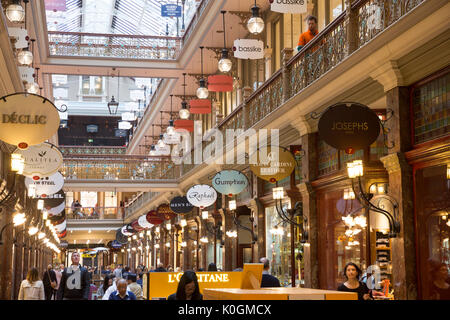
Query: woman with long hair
point(352, 273)
point(32, 288)
point(107, 282)
point(187, 288)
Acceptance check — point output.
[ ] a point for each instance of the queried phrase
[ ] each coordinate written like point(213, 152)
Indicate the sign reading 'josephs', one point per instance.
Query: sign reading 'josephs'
point(201, 195)
point(230, 182)
point(349, 126)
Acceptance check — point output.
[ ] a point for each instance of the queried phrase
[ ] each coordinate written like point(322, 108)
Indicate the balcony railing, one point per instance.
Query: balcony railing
point(80, 44)
point(68, 151)
point(119, 168)
point(95, 213)
point(137, 203)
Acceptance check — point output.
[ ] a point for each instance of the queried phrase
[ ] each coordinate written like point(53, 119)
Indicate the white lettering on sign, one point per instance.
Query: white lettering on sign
point(248, 49)
point(74, 280)
point(202, 277)
point(289, 6)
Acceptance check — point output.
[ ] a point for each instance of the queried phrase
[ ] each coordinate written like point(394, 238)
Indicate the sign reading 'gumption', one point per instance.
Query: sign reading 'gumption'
point(230, 182)
point(288, 6)
point(248, 49)
point(201, 195)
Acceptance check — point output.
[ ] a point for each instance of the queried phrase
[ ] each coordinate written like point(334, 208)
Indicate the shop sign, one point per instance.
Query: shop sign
point(56, 210)
point(220, 83)
point(55, 5)
point(154, 217)
point(53, 200)
point(62, 234)
point(142, 220)
point(288, 6)
point(248, 49)
point(164, 210)
point(200, 106)
point(136, 226)
point(41, 160)
point(184, 124)
point(61, 227)
point(272, 163)
point(116, 244)
point(120, 237)
point(230, 182)
point(171, 10)
point(349, 126)
point(201, 195)
point(26, 73)
point(162, 151)
point(180, 205)
point(27, 119)
point(20, 35)
point(46, 185)
point(172, 138)
point(63, 244)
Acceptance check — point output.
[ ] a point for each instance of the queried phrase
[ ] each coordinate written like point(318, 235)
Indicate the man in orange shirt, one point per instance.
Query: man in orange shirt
point(307, 36)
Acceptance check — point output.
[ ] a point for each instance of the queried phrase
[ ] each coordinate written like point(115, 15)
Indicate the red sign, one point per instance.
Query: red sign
point(184, 124)
point(154, 217)
point(136, 226)
point(55, 5)
point(200, 106)
point(164, 209)
point(220, 83)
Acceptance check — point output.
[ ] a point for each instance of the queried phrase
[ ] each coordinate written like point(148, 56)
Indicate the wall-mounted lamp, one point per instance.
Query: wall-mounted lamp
point(15, 12)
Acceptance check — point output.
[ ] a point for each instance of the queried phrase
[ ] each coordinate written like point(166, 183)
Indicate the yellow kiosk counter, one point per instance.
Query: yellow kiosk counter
point(277, 294)
point(245, 285)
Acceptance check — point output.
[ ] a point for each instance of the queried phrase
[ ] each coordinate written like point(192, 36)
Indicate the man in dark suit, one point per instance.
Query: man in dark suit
point(268, 280)
point(74, 283)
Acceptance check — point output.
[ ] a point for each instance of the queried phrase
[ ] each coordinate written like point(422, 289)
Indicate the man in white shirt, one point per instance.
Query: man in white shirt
point(112, 288)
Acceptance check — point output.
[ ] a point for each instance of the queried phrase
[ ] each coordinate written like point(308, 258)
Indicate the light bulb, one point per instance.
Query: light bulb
point(25, 57)
point(232, 205)
point(255, 24)
point(32, 88)
point(168, 226)
point(204, 239)
point(161, 143)
point(183, 223)
point(41, 235)
point(156, 246)
point(19, 219)
point(168, 244)
point(15, 13)
point(170, 129)
point(183, 244)
point(32, 231)
point(202, 91)
point(184, 113)
point(205, 215)
point(17, 163)
point(225, 65)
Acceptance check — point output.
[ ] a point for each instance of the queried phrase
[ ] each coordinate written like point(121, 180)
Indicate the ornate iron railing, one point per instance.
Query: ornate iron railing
point(80, 150)
point(95, 213)
point(113, 45)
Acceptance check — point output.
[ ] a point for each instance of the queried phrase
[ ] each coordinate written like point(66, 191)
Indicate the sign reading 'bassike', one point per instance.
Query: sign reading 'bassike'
point(248, 49)
point(288, 6)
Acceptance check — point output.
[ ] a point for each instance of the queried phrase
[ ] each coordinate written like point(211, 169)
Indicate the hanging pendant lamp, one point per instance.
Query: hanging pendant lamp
point(255, 24)
point(171, 128)
point(225, 63)
point(202, 91)
point(184, 111)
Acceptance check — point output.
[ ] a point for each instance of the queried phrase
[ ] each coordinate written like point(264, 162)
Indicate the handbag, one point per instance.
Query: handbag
point(53, 284)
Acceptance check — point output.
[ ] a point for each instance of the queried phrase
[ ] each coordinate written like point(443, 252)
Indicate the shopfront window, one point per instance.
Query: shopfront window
point(278, 246)
point(337, 246)
point(433, 230)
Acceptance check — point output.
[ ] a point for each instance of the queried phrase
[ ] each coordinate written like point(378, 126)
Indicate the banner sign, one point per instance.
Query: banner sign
point(184, 124)
point(220, 83)
point(181, 205)
point(127, 231)
point(201, 195)
point(46, 185)
point(272, 163)
point(136, 226)
point(171, 10)
point(200, 106)
point(120, 237)
point(41, 160)
point(248, 49)
point(56, 210)
point(288, 6)
point(53, 200)
point(164, 209)
point(349, 126)
point(154, 217)
point(230, 182)
point(27, 119)
point(164, 151)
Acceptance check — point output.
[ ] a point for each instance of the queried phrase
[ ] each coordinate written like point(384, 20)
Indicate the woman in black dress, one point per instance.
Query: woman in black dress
point(352, 273)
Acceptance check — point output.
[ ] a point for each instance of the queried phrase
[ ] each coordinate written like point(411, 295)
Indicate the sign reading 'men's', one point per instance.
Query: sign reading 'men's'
point(27, 119)
point(288, 6)
point(248, 49)
point(349, 126)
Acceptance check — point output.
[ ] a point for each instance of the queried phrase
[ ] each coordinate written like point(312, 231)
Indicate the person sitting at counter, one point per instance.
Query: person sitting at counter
point(352, 273)
point(187, 288)
point(268, 280)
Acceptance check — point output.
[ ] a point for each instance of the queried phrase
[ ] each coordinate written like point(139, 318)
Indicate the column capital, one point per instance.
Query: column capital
point(388, 75)
point(300, 123)
point(306, 189)
point(395, 162)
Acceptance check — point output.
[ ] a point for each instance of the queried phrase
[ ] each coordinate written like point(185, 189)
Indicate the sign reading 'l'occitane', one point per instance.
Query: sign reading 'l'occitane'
point(201, 277)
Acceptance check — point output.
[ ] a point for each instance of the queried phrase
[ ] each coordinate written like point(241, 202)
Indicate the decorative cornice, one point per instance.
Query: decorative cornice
point(388, 75)
point(395, 162)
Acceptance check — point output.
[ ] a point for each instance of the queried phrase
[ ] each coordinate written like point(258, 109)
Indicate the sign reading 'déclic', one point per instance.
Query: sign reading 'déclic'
point(248, 49)
point(288, 6)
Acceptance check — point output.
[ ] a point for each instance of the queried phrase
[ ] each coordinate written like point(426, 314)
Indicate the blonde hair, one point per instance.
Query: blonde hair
point(32, 275)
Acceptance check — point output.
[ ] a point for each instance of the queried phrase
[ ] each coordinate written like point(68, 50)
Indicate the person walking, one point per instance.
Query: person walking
point(134, 287)
point(32, 288)
point(58, 272)
point(118, 271)
point(107, 282)
point(74, 281)
point(308, 35)
point(50, 282)
point(122, 292)
point(268, 280)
